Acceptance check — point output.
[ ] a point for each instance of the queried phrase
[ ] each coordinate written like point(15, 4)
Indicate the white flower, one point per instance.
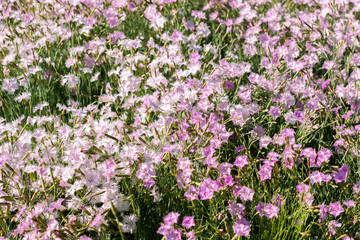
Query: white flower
point(70, 80)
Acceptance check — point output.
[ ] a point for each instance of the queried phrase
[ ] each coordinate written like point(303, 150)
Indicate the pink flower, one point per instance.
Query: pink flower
point(341, 175)
point(228, 181)
point(349, 203)
point(242, 228)
point(271, 211)
point(311, 154)
point(83, 237)
point(319, 177)
point(260, 208)
point(229, 85)
point(332, 226)
point(171, 218)
point(323, 211)
point(190, 235)
point(245, 193)
point(335, 209)
point(57, 204)
point(328, 65)
point(169, 232)
point(265, 141)
point(225, 169)
point(241, 161)
point(323, 156)
point(265, 172)
point(97, 220)
point(188, 222)
point(176, 36)
point(236, 210)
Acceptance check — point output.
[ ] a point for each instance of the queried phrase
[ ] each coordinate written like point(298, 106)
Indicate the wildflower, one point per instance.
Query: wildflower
point(349, 203)
point(244, 192)
point(229, 181)
point(225, 169)
point(242, 228)
point(309, 153)
point(265, 172)
point(176, 36)
point(271, 211)
point(323, 211)
point(332, 226)
point(70, 80)
point(10, 85)
point(335, 209)
point(97, 220)
point(171, 218)
point(323, 156)
point(319, 177)
point(229, 85)
point(84, 237)
point(188, 222)
point(241, 161)
point(329, 64)
point(169, 232)
point(236, 210)
point(157, 20)
point(304, 193)
point(260, 208)
point(129, 223)
point(265, 141)
point(341, 175)
point(190, 235)
point(3, 159)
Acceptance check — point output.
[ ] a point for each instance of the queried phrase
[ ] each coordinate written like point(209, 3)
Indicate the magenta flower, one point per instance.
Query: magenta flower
point(97, 220)
point(275, 112)
point(342, 174)
point(265, 172)
point(323, 209)
point(228, 181)
point(323, 156)
point(192, 194)
point(311, 154)
point(236, 210)
point(246, 193)
point(176, 36)
point(329, 64)
point(319, 177)
point(335, 209)
point(171, 218)
point(229, 85)
point(190, 235)
point(349, 203)
point(84, 237)
point(57, 205)
point(271, 211)
point(242, 228)
point(260, 208)
point(188, 222)
point(241, 161)
point(265, 141)
point(169, 232)
point(332, 226)
point(225, 169)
